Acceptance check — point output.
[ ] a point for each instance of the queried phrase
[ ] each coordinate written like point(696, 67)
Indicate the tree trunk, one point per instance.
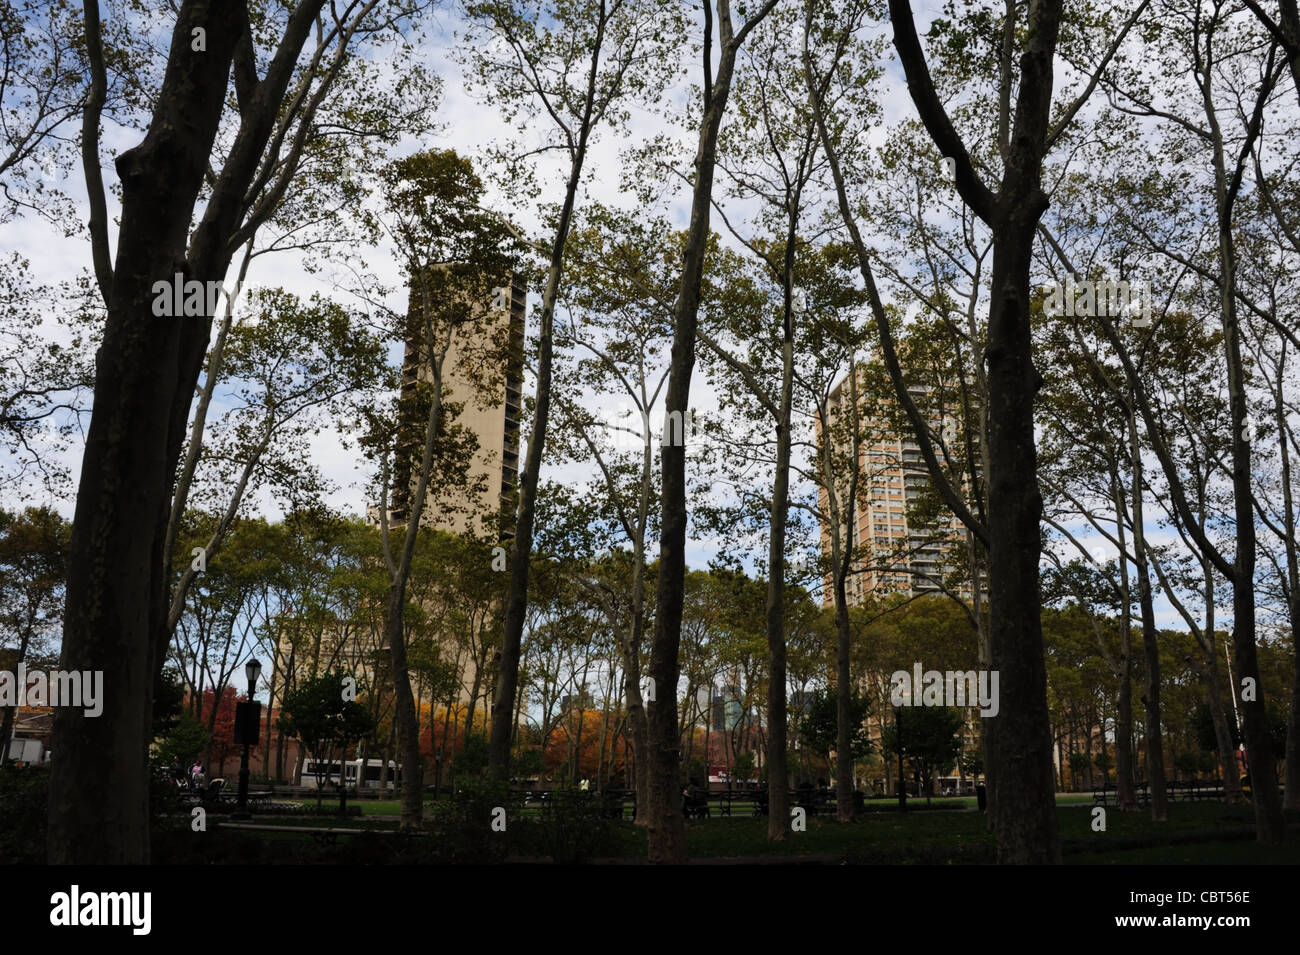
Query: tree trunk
point(1125, 777)
point(145, 373)
point(1125, 794)
point(1269, 821)
point(270, 711)
point(1232, 793)
point(778, 819)
point(521, 550)
point(667, 834)
point(1155, 747)
point(844, 730)
point(1025, 807)
point(1291, 800)
point(404, 713)
point(636, 713)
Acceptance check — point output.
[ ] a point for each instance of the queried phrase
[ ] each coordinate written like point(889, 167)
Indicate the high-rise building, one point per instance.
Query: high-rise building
point(489, 386)
point(903, 555)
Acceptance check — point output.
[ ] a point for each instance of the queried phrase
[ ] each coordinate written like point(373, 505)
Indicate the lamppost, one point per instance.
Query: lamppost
point(248, 720)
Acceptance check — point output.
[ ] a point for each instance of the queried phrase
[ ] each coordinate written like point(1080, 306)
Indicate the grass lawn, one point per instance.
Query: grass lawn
point(1196, 833)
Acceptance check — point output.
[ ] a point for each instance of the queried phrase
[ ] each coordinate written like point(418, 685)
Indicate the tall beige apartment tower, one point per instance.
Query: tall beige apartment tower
point(483, 371)
point(901, 558)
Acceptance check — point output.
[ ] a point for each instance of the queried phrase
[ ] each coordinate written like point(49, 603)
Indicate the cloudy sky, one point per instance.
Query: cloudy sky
point(470, 127)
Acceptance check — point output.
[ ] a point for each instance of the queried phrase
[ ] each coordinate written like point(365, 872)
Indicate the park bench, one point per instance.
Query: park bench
point(811, 801)
point(1108, 795)
point(695, 804)
point(613, 800)
point(729, 798)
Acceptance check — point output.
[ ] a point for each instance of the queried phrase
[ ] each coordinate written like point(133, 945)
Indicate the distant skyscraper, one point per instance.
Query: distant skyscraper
point(491, 415)
point(902, 558)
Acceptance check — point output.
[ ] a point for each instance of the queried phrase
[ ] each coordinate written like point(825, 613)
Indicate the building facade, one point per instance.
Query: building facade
point(482, 372)
point(911, 545)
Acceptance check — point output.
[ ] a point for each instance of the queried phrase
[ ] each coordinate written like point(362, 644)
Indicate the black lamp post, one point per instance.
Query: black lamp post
point(248, 720)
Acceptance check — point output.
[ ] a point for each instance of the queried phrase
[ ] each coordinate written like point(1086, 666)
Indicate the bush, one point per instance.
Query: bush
point(573, 828)
point(463, 827)
point(24, 803)
point(184, 740)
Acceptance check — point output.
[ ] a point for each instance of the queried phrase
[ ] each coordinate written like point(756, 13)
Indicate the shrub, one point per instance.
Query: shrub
point(462, 827)
point(24, 802)
point(573, 828)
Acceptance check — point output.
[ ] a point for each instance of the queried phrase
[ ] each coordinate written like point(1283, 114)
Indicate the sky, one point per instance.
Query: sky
point(470, 127)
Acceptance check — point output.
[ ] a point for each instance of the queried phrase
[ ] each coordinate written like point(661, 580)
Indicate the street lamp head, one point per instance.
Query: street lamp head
point(252, 670)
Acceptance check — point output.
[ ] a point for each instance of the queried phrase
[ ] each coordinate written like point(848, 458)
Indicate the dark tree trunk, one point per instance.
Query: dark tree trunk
point(1019, 737)
point(1222, 734)
point(1025, 804)
point(636, 715)
point(146, 371)
point(778, 819)
point(1125, 779)
point(1269, 821)
point(503, 701)
point(844, 730)
point(406, 718)
point(270, 712)
point(144, 380)
point(1291, 799)
point(1124, 792)
point(1155, 747)
point(667, 834)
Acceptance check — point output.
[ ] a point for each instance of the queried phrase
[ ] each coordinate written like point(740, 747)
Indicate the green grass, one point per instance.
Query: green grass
point(1196, 834)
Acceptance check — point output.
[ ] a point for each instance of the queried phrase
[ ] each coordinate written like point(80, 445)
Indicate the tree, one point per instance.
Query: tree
point(1079, 763)
point(453, 254)
point(1104, 762)
point(33, 568)
point(930, 740)
point(619, 299)
point(1197, 41)
point(667, 842)
point(1023, 806)
point(148, 366)
point(819, 726)
point(318, 714)
point(184, 742)
point(770, 153)
point(581, 65)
